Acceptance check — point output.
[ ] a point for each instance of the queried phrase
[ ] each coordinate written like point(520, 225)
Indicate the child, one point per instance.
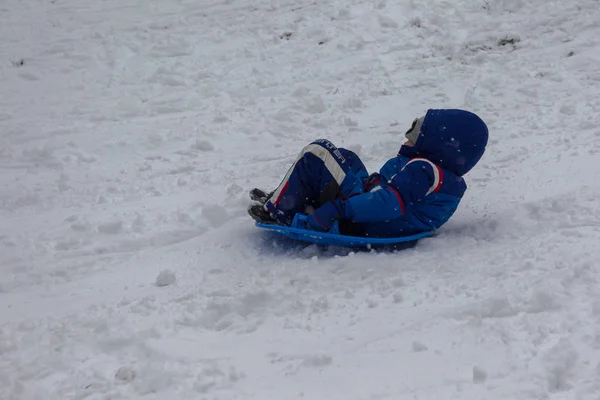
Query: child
point(416, 191)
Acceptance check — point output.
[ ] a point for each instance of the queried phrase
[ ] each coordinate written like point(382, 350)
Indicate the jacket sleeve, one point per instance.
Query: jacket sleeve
point(395, 198)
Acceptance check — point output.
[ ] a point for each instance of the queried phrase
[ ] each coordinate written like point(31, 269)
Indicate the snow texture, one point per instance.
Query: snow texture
point(165, 278)
point(131, 132)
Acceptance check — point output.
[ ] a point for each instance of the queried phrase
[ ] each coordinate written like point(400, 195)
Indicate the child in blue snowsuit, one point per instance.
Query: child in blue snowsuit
point(416, 191)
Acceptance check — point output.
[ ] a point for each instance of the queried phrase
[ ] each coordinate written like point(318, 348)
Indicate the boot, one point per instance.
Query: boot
point(260, 195)
point(259, 214)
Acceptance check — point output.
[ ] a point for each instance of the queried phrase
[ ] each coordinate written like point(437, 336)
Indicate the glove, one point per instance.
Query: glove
point(373, 180)
point(323, 217)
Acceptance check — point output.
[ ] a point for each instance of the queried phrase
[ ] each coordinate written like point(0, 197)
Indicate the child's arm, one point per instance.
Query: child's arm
point(384, 201)
point(410, 185)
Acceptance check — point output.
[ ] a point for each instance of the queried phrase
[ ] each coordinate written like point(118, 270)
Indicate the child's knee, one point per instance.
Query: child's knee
point(325, 143)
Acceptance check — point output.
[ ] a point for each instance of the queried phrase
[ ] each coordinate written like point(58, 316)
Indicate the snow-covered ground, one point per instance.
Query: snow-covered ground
point(131, 131)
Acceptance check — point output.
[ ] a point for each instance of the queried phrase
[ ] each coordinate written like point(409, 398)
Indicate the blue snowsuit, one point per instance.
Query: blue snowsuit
point(416, 191)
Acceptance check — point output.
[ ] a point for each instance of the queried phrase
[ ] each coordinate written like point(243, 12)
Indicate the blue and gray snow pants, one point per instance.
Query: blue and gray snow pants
point(321, 173)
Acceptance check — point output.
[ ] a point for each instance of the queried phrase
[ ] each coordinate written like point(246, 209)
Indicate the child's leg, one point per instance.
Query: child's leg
point(321, 173)
point(356, 165)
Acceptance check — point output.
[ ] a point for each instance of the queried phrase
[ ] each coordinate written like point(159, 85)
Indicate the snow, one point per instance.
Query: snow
point(131, 132)
point(165, 278)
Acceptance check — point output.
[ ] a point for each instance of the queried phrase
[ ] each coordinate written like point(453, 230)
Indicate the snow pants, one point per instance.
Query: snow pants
point(321, 173)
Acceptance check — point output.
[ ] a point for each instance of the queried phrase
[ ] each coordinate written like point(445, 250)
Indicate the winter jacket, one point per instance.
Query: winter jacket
point(420, 188)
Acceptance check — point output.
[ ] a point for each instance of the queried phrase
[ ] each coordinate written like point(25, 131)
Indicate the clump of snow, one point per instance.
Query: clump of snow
point(371, 303)
point(203, 145)
point(67, 244)
point(387, 22)
point(542, 301)
point(495, 307)
point(354, 103)
point(319, 360)
point(319, 304)
point(418, 347)
point(349, 122)
point(479, 375)
point(220, 118)
point(560, 363)
point(165, 278)
point(63, 182)
point(397, 297)
point(316, 105)
point(139, 224)
point(216, 215)
point(125, 374)
point(111, 228)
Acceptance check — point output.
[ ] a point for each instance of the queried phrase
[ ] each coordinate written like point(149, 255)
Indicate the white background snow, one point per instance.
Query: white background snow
point(131, 132)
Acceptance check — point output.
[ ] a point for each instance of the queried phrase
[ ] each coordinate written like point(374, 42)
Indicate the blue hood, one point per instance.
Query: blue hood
point(453, 139)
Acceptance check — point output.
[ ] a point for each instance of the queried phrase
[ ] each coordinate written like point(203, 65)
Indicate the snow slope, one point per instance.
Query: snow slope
point(131, 131)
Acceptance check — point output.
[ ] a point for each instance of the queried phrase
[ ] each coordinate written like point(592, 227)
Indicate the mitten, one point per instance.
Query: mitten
point(323, 217)
point(373, 180)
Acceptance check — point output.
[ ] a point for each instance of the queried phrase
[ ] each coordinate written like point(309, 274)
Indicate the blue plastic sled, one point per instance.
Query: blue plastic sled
point(300, 231)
